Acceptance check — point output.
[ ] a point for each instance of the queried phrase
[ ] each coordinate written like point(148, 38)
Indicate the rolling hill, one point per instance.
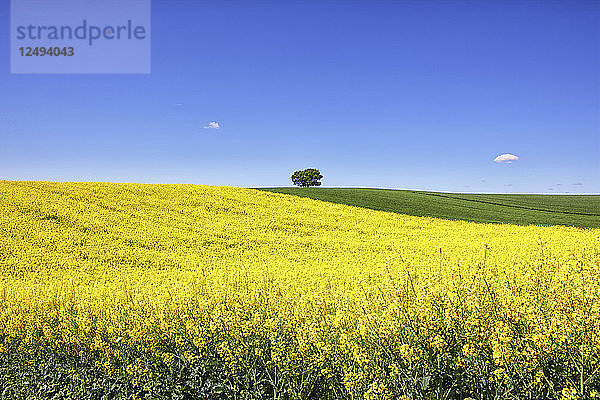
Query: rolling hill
point(204, 292)
point(582, 211)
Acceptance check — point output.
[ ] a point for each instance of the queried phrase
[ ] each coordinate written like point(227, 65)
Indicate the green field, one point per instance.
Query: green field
point(523, 209)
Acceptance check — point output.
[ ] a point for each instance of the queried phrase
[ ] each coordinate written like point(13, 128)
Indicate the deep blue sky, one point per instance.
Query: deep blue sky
point(417, 95)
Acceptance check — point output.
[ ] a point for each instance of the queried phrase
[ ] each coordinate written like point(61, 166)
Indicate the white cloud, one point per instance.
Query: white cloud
point(506, 158)
point(212, 125)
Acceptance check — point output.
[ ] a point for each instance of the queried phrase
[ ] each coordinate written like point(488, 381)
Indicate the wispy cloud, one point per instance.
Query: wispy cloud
point(212, 125)
point(506, 158)
point(577, 184)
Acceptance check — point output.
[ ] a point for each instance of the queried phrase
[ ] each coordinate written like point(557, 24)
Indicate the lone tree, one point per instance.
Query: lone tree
point(306, 178)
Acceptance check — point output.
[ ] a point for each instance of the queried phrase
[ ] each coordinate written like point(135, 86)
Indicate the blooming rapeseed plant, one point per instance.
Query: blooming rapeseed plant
point(164, 290)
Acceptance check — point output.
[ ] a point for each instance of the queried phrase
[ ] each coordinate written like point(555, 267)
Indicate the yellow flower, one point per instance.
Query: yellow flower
point(569, 394)
point(290, 284)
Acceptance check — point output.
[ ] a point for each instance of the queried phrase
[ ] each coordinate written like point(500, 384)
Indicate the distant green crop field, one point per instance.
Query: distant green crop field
point(522, 209)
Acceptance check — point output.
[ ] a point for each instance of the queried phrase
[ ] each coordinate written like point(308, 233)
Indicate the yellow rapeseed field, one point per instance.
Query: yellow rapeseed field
point(185, 291)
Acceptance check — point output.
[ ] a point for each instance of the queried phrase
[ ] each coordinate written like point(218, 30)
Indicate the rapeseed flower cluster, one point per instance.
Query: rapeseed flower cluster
point(159, 291)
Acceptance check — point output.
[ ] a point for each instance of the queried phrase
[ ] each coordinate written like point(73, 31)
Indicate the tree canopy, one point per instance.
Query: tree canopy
point(307, 177)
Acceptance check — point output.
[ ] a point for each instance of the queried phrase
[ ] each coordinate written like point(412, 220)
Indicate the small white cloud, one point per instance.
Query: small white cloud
point(212, 125)
point(506, 158)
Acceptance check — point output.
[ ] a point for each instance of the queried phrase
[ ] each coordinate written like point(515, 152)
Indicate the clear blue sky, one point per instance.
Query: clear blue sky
point(416, 95)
